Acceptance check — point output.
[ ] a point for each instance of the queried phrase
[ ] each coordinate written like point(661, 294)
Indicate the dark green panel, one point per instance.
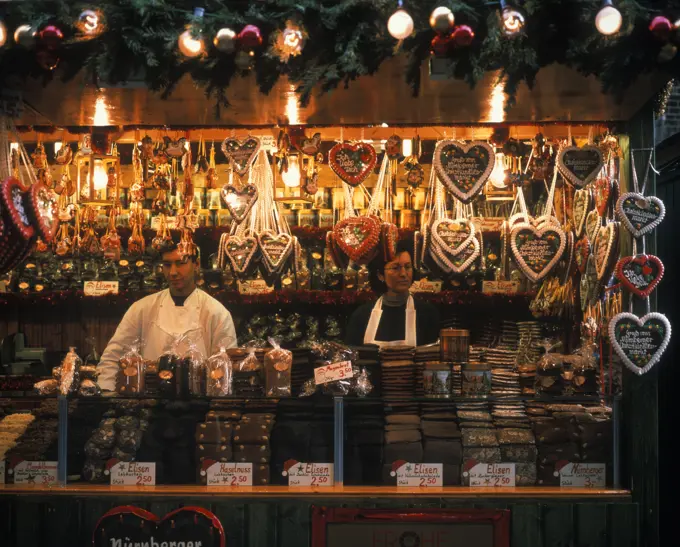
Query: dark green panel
point(262, 522)
point(525, 527)
point(61, 523)
point(29, 521)
point(294, 524)
point(233, 519)
point(591, 524)
point(91, 510)
point(558, 525)
point(6, 519)
point(623, 525)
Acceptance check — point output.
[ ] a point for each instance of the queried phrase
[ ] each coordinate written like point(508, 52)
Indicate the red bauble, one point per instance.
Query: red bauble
point(661, 27)
point(51, 37)
point(47, 59)
point(463, 35)
point(250, 37)
point(441, 44)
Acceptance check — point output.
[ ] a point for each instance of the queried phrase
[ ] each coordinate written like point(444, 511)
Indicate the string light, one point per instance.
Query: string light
point(513, 19)
point(3, 34)
point(608, 20)
point(90, 23)
point(442, 19)
point(400, 24)
point(24, 35)
point(188, 44)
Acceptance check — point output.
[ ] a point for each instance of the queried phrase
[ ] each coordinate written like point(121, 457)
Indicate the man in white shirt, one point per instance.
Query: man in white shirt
point(159, 319)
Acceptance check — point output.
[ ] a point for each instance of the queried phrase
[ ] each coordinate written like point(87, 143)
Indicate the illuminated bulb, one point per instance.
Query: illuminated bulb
point(57, 146)
point(3, 34)
point(442, 19)
point(89, 23)
point(190, 46)
point(101, 178)
point(14, 146)
point(608, 20)
point(407, 147)
point(400, 24)
point(497, 176)
point(384, 124)
point(513, 20)
point(24, 35)
point(291, 177)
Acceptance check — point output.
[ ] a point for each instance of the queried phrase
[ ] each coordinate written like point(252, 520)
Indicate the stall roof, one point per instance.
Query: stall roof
point(559, 95)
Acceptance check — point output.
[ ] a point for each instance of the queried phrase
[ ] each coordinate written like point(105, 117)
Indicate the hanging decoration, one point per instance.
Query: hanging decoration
point(352, 162)
point(289, 42)
point(639, 341)
point(241, 154)
point(579, 165)
point(582, 253)
point(239, 201)
point(639, 274)
point(463, 168)
point(225, 40)
point(606, 250)
point(640, 214)
point(580, 210)
point(593, 223)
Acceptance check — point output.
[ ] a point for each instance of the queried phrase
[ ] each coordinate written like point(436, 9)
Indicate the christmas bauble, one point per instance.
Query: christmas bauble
point(441, 44)
point(661, 27)
point(441, 19)
point(89, 22)
point(463, 35)
point(47, 59)
point(250, 37)
point(25, 36)
point(244, 60)
point(667, 53)
point(51, 37)
point(225, 40)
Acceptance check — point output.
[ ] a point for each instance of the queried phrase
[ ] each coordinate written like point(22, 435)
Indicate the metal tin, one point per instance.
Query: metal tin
point(326, 219)
point(291, 217)
point(454, 345)
point(307, 217)
point(437, 383)
point(476, 380)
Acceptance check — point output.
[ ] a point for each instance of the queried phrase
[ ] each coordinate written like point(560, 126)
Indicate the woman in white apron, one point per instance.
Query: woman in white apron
point(396, 318)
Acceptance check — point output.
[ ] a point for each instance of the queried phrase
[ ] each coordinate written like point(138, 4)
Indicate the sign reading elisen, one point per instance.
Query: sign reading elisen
point(100, 288)
point(133, 474)
point(310, 474)
point(426, 475)
point(492, 474)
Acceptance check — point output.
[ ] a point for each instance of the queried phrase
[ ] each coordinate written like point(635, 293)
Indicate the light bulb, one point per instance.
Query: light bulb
point(407, 147)
point(90, 23)
point(100, 176)
point(14, 146)
point(3, 34)
point(442, 19)
point(513, 21)
point(608, 20)
point(57, 146)
point(291, 177)
point(400, 24)
point(190, 46)
point(498, 174)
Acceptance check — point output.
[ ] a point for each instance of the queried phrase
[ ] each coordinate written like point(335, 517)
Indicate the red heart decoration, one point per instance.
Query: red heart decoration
point(639, 274)
point(339, 259)
point(581, 254)
point(603, 194)
point(390, 237)
point(357, 237)
point(42, 209)
point(352, 162)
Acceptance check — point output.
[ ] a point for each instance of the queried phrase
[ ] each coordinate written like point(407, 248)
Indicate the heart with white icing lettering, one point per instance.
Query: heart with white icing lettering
point(240, 252)
point(275, 249)
point(640, 214)
point(593, 223)
point(239, 202)
point(537, 250)
point(579, 166)
point(464, 168)
point(352, 162)
point(605, 249)
point(639, 341)
point(241, 154)
point(639, 274)
point(580, 210)
point(453, 236)
point(582, 252)
point(357, 237)
point(459, 263)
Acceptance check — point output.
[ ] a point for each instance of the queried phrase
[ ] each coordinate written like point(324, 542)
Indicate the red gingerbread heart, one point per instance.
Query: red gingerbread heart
point(639, 274)
point(357, 237)
point(352, 162)
point(581, 254)
point(603, 194)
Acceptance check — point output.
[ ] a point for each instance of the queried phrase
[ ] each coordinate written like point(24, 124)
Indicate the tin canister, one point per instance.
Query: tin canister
point(326, 219)
point(291, 216)
point(476, 379)
point(454, 345)
point(307, 217)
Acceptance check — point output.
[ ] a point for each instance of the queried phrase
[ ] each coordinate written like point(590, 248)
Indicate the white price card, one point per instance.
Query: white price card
point(310, 474)
point(100, 288)
point(500, 287)
point(492, 474)
point(424, 285)
point(2, 472)
point(230, 474)
point(583, 475)
point(427, 475)
point(333, 372)
point(254, 286)
point(133, 474)
point(35, 473)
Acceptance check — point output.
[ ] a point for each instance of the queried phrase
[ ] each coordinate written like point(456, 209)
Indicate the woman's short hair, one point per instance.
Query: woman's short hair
point(377, 265)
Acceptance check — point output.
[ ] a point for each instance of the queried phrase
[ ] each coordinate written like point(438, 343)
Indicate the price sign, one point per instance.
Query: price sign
point(230, 474)
point(2, 472)
point(426, 475)
point(133, 474)
point(583, 475)
point(492, 474)
point(100, 288)
point(254, 286)
point(268, 143)
point(170, 222)
point(310, 474)
point(488, 224)
point(333, 372)
point(35, 473)
point(500, 287)
point(423, 285)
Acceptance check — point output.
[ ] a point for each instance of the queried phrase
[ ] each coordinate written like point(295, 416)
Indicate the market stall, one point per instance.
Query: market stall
point(528, 215)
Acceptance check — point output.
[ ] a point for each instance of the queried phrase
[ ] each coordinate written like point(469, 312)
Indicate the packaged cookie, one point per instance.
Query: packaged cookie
point(194, 362)
point(278, 364)
point(70, 372)
point(218, 374)
point(130, 377)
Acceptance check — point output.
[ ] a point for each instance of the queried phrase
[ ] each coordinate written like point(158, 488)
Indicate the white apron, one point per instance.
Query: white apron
point(169, 322)
point(374, 321)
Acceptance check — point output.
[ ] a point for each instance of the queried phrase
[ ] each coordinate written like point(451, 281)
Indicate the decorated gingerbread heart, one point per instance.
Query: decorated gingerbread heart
point(593, 223)
point(453, 236)
point(579, 166)
point(605, 249)
point(241, 154)
point(589, 284)
point(640, 214)
point(275, 248)
point(459, 263)
point(580, 210)
point(352, 162)
point(603, 194)
point(639, 341)
point(389, 237)
point(639, 274)
point(536, 250)
point(581, 254)
point(42, 209)
point(240, 252)
point(239, 201)
point(463, 168)
point(357, 237)
point(393, 147)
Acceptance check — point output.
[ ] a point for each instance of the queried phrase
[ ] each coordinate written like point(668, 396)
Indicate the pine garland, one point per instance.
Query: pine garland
point(346, 39)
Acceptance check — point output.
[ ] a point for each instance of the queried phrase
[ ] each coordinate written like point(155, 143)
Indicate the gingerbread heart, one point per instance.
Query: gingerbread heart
point(640, 214)
point(390, 238)
point(241, 154)
point(537, 249)
point(459, 263)
point(589, 284)
point(13, 207)
point(582, 252)
point(639, 274)
point(275, 248)
point(393, 147)
point(580, 210)
point(579, 166)
point(357, 237)
point(605, 249)
point(42, 209)
point(352, 162)
point(604, 189)
point(239, 201)
point(639, 341)
point(593, 223)
point(453, 236)
point(464, 168)
point(240, 252)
